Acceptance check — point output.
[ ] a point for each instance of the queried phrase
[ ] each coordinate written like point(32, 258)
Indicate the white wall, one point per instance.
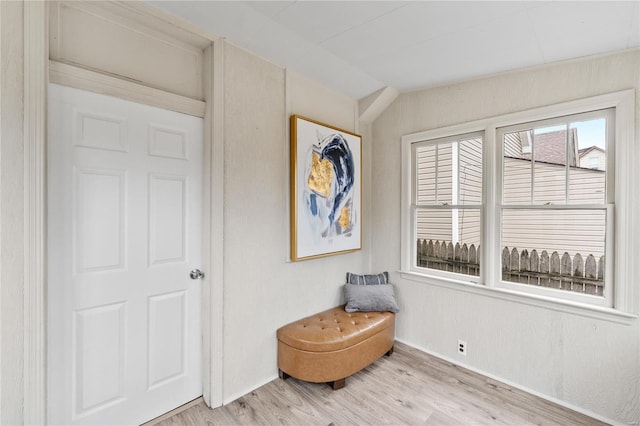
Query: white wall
point(11, 213)
point(588, 363)
point(262, 289)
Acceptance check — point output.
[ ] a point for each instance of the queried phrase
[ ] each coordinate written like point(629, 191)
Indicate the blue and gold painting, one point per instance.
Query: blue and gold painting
point(326, 190)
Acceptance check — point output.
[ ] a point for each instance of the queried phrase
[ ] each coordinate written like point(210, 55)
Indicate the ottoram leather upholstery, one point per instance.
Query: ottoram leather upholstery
point(334, 344)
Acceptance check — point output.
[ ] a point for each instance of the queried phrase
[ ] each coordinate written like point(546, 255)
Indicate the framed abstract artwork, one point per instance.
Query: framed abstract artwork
point(326, 190)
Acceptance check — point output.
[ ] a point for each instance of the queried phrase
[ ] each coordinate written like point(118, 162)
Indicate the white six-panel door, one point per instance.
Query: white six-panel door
point(124, 226)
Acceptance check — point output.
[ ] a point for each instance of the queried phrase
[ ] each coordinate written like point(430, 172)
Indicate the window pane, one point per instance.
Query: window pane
point(536, 162)
point(426, 174)
point(470, 171)
point(554, 248)
point(587, 178)
point(450, 173)
point(435, 174)
point(550, 164)
point(445, 173)
point(449, 240)
point(469, 227)
point(434, 225)
point(517, 167)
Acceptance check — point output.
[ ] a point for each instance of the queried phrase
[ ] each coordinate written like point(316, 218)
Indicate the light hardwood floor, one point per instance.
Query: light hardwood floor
point(409, 387)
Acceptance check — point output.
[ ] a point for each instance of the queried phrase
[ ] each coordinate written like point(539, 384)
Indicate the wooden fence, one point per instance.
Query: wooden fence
point(579, 274)
point(445, 256)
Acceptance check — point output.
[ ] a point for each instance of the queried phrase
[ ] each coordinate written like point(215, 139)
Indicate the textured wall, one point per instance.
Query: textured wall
point(591, 364)
point(262, 290)
point(11, 213)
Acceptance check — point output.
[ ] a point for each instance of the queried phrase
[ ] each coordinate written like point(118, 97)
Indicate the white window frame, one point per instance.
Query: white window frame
point(623, 303)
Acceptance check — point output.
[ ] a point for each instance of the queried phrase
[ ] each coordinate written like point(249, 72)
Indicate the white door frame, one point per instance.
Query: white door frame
point(36, 52)
point(36, 79)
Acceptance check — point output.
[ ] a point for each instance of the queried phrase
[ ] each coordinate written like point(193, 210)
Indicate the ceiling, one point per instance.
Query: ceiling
point(359, 47)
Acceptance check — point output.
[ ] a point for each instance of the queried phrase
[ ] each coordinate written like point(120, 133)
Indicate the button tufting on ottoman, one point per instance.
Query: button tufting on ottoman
point(330, 346)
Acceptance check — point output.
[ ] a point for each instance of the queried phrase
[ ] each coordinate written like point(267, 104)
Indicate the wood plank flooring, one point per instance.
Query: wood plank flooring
point(409, 387)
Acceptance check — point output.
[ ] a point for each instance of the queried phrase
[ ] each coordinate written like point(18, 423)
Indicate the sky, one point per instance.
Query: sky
point(590, 132)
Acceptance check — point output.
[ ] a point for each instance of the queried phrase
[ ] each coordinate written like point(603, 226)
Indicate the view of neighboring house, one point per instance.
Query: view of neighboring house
point(592, 158)
point(456, 178)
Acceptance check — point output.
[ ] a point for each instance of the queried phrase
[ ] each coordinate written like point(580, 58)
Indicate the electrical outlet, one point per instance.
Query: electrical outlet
point(462, 347)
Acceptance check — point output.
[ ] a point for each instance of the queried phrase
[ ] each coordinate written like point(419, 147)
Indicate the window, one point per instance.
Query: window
point(555, 216)
point(532, 205)
point(593, 163)
point(447, 203)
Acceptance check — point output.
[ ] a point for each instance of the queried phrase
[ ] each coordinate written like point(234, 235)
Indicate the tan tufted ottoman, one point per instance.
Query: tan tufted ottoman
point(330, 346)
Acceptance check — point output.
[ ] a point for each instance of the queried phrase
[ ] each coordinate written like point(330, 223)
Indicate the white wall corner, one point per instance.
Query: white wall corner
point(213, 290)
point(376, 103)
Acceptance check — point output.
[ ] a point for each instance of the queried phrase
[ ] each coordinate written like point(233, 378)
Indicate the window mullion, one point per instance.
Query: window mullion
point(567, 167)
point(437, 198)
point(491, 195)
point(533, 166)
point(455, 187)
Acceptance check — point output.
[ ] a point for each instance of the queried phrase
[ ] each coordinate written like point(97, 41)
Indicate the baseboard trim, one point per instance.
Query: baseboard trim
point(515, 385)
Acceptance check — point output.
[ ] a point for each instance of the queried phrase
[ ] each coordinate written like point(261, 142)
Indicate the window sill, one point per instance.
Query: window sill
point(580, 309)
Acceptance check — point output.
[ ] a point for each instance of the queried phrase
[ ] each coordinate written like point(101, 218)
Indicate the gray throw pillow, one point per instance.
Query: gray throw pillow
point(370, 298)
point(382, 278)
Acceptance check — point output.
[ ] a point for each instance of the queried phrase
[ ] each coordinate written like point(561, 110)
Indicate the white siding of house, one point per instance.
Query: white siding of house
point(549, 183)
point(434, 188)
point(470, 171)
point(555, 230)
point(513, 145)
point(469, 226)
point(586, 186)
point(436, 224)
point(573, 231)
point(426, 176)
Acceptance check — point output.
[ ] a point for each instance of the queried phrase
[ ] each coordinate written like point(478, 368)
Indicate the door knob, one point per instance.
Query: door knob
point(196, 274)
